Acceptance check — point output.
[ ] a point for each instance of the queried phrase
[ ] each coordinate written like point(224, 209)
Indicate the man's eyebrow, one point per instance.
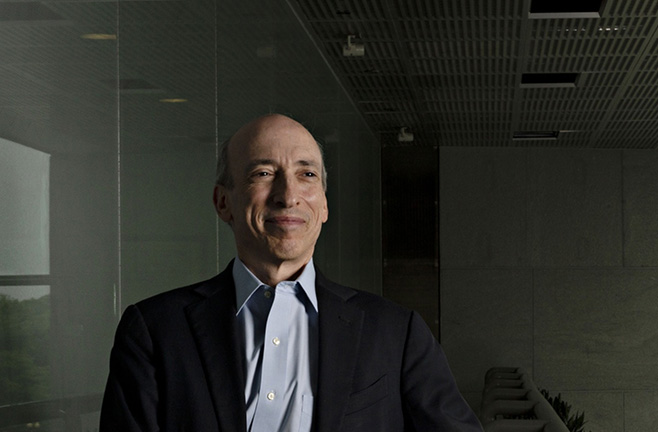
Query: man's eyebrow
point(260, 162)
point(309, 163)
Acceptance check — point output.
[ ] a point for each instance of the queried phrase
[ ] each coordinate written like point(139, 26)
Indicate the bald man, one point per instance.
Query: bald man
point(270, 344)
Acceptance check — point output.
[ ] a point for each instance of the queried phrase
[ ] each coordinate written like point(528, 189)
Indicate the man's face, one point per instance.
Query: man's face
point(277, 204)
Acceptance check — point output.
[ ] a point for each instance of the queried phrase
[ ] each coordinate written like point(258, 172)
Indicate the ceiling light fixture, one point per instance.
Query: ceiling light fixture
point(405, 136)
point(543, 80)
point(173, 100)
point(351, 49)
point(99, 36)
point(535, 135)
point(565, 8)
point(133, 86)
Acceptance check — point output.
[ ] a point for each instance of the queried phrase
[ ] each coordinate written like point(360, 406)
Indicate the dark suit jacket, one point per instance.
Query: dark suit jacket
point(175, 366)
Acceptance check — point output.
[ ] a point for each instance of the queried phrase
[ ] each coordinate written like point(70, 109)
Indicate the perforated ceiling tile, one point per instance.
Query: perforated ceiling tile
point(457, 67)
point(451, 69)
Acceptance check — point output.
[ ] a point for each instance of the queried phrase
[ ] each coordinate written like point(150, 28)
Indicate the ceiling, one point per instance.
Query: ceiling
point(451, 70)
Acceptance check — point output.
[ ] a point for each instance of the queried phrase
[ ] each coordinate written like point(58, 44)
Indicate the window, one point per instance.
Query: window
point(24, 274)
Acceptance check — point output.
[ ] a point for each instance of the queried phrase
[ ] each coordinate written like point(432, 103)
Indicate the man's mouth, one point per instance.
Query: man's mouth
point(285, 221)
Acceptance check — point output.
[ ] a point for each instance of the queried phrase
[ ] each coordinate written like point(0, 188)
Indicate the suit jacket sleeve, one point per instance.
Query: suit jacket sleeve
point(131, 394)
point(431, 400)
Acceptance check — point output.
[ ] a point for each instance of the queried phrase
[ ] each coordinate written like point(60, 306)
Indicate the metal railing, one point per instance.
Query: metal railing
point(69, 410)
point(509, 395)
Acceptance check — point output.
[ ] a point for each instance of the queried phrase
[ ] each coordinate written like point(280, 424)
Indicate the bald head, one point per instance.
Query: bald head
point(255, 130)
point(271, 193)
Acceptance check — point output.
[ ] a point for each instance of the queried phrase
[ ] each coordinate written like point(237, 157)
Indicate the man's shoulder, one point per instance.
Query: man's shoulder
point(178, 299)
point(175, 296)
point(367, 301)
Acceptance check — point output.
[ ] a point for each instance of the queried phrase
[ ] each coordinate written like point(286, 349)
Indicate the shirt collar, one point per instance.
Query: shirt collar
point(246, 283)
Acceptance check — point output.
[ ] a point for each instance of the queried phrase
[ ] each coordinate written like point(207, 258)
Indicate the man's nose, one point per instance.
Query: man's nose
point(285, 191)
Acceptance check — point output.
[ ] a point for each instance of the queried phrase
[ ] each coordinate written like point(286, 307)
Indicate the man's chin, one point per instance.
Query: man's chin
point(289, 250)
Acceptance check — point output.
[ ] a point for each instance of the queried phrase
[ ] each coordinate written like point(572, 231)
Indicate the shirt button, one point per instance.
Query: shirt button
point(271, 396)
point(276, 341)
point(267, 294)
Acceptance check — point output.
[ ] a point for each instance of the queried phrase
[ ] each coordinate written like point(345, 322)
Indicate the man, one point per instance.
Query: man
point(270, 344)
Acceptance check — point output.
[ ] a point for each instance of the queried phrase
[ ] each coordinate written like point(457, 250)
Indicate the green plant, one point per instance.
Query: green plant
point(575, 422)
point(24, 361)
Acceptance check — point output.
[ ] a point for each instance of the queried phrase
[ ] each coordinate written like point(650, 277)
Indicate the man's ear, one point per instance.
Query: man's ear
point(325, 210)
point(222, 203)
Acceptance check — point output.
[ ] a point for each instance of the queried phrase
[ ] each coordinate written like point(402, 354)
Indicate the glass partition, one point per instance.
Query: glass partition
point(58, 170)
point(168, 142)
point(110, 118)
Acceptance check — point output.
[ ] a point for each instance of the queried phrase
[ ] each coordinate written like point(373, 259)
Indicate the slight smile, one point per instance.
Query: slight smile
point(285, 221)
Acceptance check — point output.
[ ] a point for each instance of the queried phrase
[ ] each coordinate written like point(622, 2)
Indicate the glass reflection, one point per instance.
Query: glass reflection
point(119, 107)
point(24, 214)
point(24, 347)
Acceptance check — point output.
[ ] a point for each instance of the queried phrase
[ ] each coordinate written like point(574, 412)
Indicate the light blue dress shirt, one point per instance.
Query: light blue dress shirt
point(279, 329)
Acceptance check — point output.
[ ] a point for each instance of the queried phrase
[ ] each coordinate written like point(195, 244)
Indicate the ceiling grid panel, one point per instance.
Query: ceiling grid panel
point(455, 65)
point(628, 78)
point(522, 55)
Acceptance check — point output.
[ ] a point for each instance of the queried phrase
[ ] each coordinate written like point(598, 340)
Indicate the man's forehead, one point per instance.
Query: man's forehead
point(282, 147)
point(264, 146)
point(274, 139)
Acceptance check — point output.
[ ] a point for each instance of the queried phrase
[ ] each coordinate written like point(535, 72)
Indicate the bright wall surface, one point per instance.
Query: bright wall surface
point(549, 262)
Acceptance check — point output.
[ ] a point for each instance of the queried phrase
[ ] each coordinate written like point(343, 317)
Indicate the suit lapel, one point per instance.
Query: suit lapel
point(212, 322)
point(340, 325)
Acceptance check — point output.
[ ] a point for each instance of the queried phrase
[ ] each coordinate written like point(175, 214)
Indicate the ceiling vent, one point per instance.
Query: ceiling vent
point(535, 135)
point(544, 80)
point(133, 86)
point(566, 8)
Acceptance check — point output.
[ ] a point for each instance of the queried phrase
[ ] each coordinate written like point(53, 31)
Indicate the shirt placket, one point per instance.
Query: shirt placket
point(271, 407)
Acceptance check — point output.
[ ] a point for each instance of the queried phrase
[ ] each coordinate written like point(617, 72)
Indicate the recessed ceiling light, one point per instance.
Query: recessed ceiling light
point(535, 80)
point(535, 135)
point(565, 8)
point(173, 100)
point(133, 85)
point(99, 36)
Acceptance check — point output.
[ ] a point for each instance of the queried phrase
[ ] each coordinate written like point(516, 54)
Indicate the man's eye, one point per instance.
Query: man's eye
point(262, 174)
point(309, 174)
